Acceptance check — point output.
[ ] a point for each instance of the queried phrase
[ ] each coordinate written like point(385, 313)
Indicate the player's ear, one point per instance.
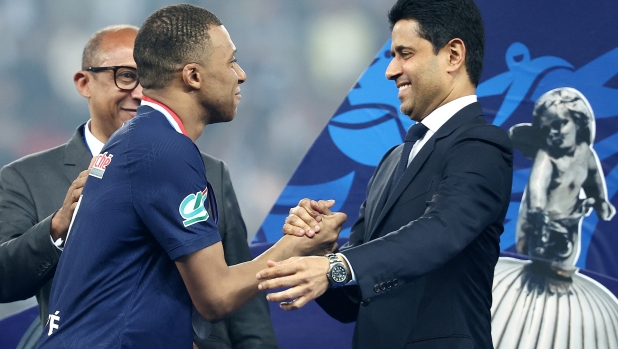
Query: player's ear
point(82, 80)
point(192, 76)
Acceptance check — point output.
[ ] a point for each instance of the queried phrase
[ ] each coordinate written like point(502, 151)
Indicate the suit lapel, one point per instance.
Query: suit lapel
point(381, 185)
point(463, 116)
point(77, 156)
point(405, 180)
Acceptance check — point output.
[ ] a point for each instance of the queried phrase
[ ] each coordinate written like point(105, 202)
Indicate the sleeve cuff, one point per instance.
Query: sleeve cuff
point(58, 243)
point(352, 281)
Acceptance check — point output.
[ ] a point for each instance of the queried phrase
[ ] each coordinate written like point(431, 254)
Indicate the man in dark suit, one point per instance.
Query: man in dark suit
point(417, 271)
point(38, 194)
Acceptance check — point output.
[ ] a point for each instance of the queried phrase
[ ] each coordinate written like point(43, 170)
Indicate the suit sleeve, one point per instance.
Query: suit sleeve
point(474, 189)
point(28, 258)
point(249, 327)
point(342, 303)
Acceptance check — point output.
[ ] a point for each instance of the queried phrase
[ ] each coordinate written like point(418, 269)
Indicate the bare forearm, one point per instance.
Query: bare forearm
point(220, 290)
point(241, 282)
point(236, 286)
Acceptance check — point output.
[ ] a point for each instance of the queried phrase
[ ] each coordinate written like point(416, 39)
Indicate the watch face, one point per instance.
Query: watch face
point(338, 273)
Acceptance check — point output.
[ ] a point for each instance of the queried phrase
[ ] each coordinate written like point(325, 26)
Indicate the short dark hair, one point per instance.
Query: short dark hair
point(440, 21)
point(169, 38)
point(92, 51)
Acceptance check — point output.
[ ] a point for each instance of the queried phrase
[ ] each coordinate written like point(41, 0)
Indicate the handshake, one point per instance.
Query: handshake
point(314, 229)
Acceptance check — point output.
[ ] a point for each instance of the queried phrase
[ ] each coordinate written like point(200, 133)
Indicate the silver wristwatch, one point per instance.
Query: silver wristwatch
point(338, 274)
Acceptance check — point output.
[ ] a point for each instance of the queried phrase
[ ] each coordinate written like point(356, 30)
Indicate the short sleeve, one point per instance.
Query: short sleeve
point(169, 192)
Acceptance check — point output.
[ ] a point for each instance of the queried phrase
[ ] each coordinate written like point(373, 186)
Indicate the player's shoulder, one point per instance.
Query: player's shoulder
point(153, 127)
point(150, 138)
point(149, 121)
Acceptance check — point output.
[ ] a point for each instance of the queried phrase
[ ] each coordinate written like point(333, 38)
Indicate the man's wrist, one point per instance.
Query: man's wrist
point(347, 266)
point(55, 231)
point(338, 273)
point(59, 243)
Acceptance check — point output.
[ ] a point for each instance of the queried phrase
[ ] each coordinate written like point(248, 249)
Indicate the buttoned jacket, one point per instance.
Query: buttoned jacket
point(424, 256)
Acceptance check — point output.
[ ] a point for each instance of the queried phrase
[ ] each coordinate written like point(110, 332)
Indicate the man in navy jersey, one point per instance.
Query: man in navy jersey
point(38, 194)
point(148, 195)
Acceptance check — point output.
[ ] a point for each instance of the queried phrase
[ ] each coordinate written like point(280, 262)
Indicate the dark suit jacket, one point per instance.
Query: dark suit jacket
point(33, 188)
point(424, 257)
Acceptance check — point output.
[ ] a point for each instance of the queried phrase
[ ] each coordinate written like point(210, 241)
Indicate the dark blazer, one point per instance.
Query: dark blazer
point(33, 188)
point(424, 257)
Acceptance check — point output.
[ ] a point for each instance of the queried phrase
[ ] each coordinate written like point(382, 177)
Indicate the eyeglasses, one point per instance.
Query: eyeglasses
point(125, 78)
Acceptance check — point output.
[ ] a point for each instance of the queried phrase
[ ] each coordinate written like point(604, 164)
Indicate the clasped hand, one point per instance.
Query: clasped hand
point(303, 277)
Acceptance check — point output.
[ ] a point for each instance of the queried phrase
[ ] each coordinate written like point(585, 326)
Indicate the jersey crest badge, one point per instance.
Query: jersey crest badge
point(100, 163)
point(192, 208)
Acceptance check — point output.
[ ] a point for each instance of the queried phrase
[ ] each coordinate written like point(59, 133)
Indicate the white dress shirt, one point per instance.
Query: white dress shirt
point(92, 142)
point(439, 117)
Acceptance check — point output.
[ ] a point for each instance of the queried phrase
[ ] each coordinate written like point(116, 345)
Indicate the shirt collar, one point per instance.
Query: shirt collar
point(441, 115)
point(171, 117)
point(92, 142)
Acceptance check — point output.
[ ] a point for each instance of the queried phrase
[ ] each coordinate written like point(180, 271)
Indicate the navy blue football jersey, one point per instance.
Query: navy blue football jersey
point(144, 205)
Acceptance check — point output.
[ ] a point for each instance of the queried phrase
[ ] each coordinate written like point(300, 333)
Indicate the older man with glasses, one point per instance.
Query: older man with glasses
point(39, 193)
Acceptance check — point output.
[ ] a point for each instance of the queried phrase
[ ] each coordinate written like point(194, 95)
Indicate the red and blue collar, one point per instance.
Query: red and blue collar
point(173, 119)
